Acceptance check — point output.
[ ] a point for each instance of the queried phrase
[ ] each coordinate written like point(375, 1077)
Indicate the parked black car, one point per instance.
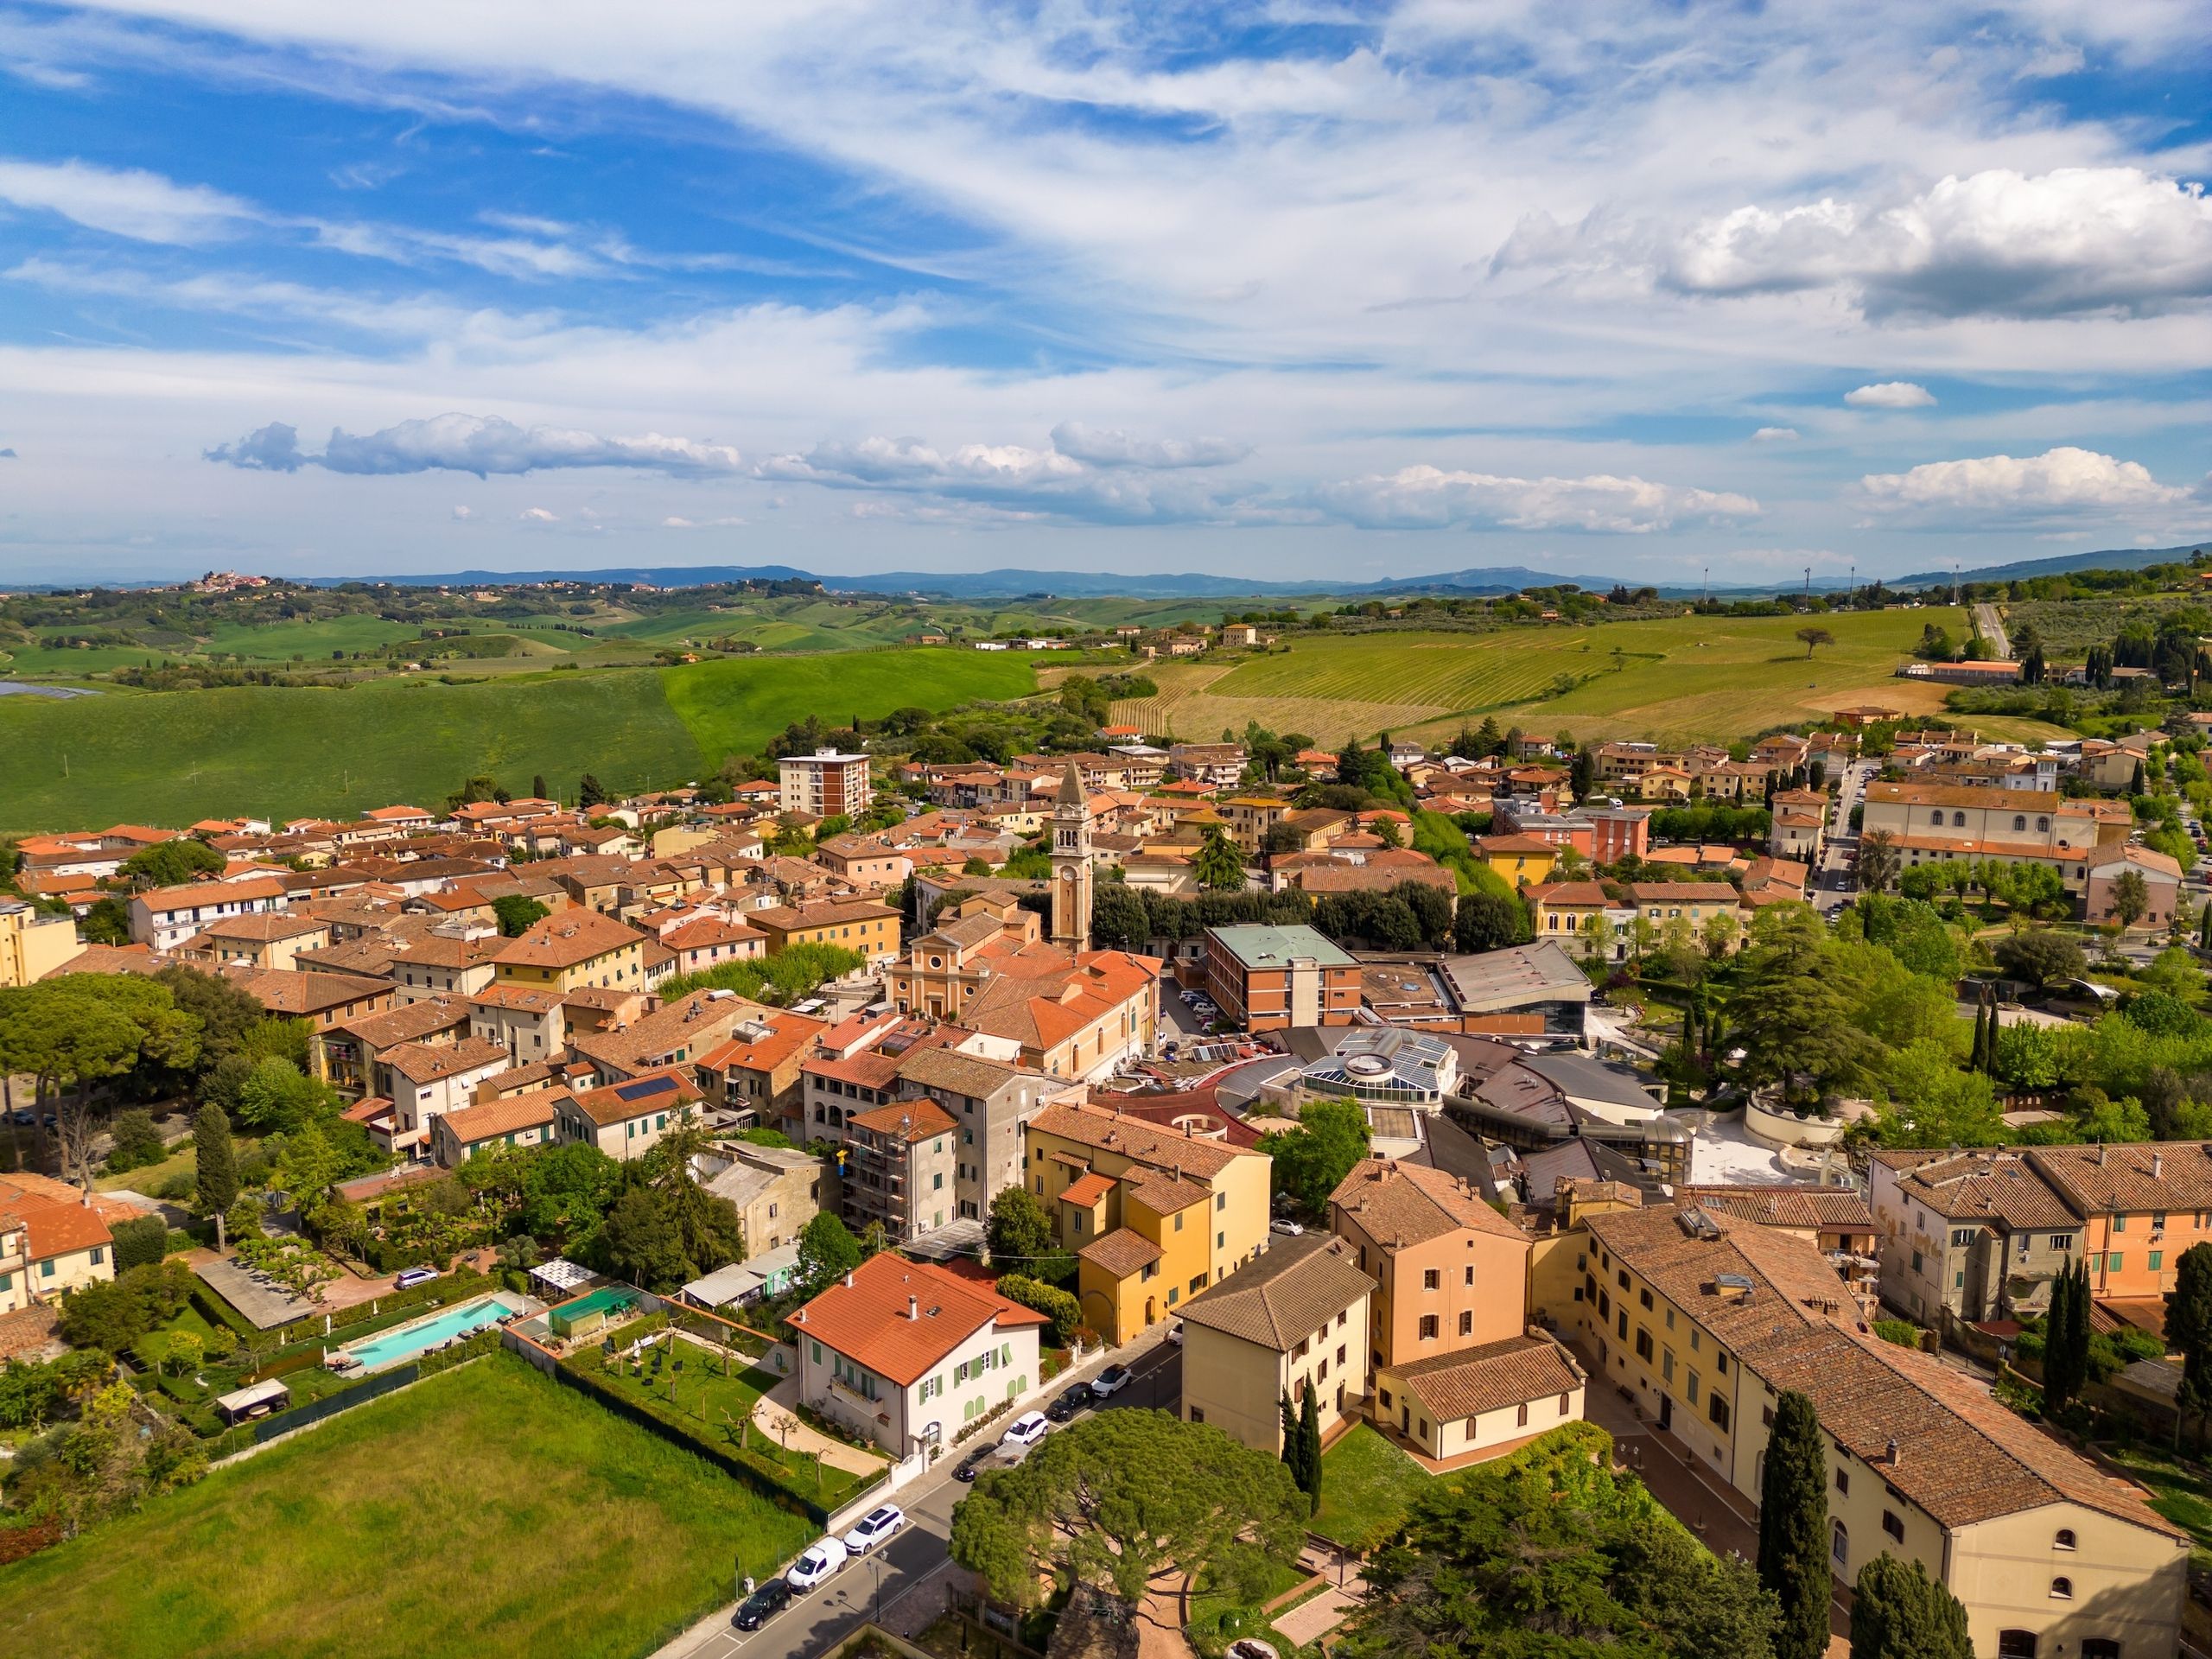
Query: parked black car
point(1064, 1408)
point(968, 1466)
point(771, 1597)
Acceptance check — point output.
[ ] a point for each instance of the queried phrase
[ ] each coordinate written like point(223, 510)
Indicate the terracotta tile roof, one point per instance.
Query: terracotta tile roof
point(1489, 1378)
point(409, 1023)
point(429, 1062)
point(1998, 1185)
point(664, 1090)
point(1835, 1208)
point(566, 939)
point(1163, 1195)
point(438, 952)
point(787, 1034)
point(1398, 1204)
point(2171, 1175)
point(1710, 893)
point(784, 919)
point(56, 1229)
point(906, 1120)
point(1570, 892)
point(1039, 1010)
point(193, 894)
point(1121, 1253)
point(1281, 1297)
point(529, 999)
point(864, 1316)
point(288, 991)
point(262, 927)
point(1960, 1456)
point(505, 1116)
point(955, 1073)
point(1161, 1147)
point(1086, 1191)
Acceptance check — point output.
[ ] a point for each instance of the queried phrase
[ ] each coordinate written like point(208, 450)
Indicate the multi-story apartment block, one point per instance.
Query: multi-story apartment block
point(824, 785)
point(1289, 1321)
point(1279, 978)
point(897, 1170)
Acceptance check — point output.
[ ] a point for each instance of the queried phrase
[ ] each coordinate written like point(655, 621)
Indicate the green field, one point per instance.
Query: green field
point(1674, 679)
point(310, 641)
point(286, 751)
point(484, 1512)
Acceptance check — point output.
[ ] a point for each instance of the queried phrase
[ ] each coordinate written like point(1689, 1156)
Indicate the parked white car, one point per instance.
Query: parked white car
point(1026, 1431)
point(1287, 1228)
point(878, 1524)
point(822, 1558)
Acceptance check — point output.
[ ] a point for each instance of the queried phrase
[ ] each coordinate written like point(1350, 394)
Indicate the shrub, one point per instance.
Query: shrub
point(136, 1142)
point(1062, 1309)
point(1903, 1332)
point(140, 1240)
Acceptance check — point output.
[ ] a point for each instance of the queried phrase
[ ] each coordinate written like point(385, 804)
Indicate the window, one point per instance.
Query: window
point(2061, 1241)
point(1468, 1279)
point(1645, 1297)
point(1843, 1482)
point(2119, 1223)
point(1428, 1327)
point(2061, 1589)
point(1179, 1220)
point(2016, 1645)
point(2065, 1539)
point(1431, 1279)
point(2157, 1259)
point(1840, 1544)
point(1720, 1364)
point(1622, 1276)
point(2019, 820)
point(1644, 1344)
point(99, 1252)
point(1667, 1365)
point(1892, 1525)
point(1521, 1416)
point(1621, 1324)
point(1670, 1318)
point(2158, 1222)
point(1916, 1262)
point(1693, 1387)
point(1717, 1409)
point(1466, 1325)
point(2114, 1260)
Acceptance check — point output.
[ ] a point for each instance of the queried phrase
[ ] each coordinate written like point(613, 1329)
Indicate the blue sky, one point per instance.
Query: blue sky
point(1298, 290)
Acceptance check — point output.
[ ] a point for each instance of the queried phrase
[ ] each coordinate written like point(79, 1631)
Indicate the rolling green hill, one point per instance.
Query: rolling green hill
point(285, 752)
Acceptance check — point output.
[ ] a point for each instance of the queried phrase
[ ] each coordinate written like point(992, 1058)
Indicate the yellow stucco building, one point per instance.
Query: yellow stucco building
point(1154, 1215)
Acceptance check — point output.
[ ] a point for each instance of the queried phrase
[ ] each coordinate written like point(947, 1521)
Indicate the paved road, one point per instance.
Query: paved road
point(1833, 882)
point(915, 1557)
point(1990, 627)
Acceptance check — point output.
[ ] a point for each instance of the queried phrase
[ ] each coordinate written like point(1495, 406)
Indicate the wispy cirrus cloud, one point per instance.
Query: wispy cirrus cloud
point(124, 202)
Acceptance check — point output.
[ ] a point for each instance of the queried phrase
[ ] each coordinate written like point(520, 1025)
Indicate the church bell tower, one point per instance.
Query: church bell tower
point(1071, 864)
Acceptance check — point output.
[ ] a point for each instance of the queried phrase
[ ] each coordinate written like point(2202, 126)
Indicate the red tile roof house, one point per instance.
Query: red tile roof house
point(909, 1354)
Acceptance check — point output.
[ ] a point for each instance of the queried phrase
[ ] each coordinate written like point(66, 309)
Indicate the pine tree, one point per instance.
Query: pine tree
point(588, 793)
point(1309, 1447)
point(218, 1161)
point(1899, 1612)
point(1794, 1527)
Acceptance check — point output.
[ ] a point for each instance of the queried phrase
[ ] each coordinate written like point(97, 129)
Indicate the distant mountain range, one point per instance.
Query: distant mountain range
point(1016, 583)
point(1075, 584)
point(2111, 558)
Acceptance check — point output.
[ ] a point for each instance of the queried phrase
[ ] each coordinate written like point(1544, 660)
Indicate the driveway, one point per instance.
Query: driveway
point(914, 1564)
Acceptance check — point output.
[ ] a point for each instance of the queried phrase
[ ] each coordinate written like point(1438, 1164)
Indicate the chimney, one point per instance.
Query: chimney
point(849, 1281)
point(1893, 1451)
point(914, 1308)
point(2158, 1166)
point(2101, 1154)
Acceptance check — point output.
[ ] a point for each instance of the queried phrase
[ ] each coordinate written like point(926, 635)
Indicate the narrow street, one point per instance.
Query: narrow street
point(1990, 627)
point(916, 1561)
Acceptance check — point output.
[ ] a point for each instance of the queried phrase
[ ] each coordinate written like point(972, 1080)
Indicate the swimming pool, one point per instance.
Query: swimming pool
point(403, 1343)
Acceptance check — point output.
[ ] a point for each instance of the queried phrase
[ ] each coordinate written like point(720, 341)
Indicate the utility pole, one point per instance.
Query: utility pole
point(1704, 595)
point(1808, 582)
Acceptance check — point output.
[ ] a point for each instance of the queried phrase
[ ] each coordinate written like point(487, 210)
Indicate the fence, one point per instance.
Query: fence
point(262, 1431)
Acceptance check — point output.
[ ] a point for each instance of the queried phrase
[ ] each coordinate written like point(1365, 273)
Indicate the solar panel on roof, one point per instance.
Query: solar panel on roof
point(644, 1088)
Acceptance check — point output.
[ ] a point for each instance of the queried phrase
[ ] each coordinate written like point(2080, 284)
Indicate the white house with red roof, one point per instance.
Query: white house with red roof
point(908, 1353)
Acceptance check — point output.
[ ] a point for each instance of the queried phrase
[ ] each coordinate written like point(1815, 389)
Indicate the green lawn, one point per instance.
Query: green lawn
point(2179, 1491)
point(1368, 1486)
point(1244, 1610)
point(285, 751)
point(487, 1511)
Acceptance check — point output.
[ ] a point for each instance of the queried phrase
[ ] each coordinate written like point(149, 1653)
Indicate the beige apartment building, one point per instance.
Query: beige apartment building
point(1704, 1318)
point(31, 945)
point(1291, 1319)
point(824, 785)
point(572, 950)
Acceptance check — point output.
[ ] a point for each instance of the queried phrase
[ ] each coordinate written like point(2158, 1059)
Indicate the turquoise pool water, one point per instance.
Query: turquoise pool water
point(403, 1343)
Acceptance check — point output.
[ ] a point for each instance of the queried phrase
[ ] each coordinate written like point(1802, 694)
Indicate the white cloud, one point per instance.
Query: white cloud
point(1429, 497)
point(1774, 434)
point(2061, 480)
point(1890, 394)
point(538, 516)
point(1107, 446)
point(482, 444)
point(464, 512)
point(130, 202)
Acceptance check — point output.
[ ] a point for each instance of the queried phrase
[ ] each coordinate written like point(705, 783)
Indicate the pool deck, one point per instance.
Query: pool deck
point(531, 1308)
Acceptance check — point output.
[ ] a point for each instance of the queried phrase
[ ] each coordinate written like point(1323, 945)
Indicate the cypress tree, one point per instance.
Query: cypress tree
point(2189, 1327)
point(1794, 1529)
point(2057, 1370)
point(218, 1161)
point(1294, 1443)
point(1899, 1612)
point(538, 787)
point(1309, 1447)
